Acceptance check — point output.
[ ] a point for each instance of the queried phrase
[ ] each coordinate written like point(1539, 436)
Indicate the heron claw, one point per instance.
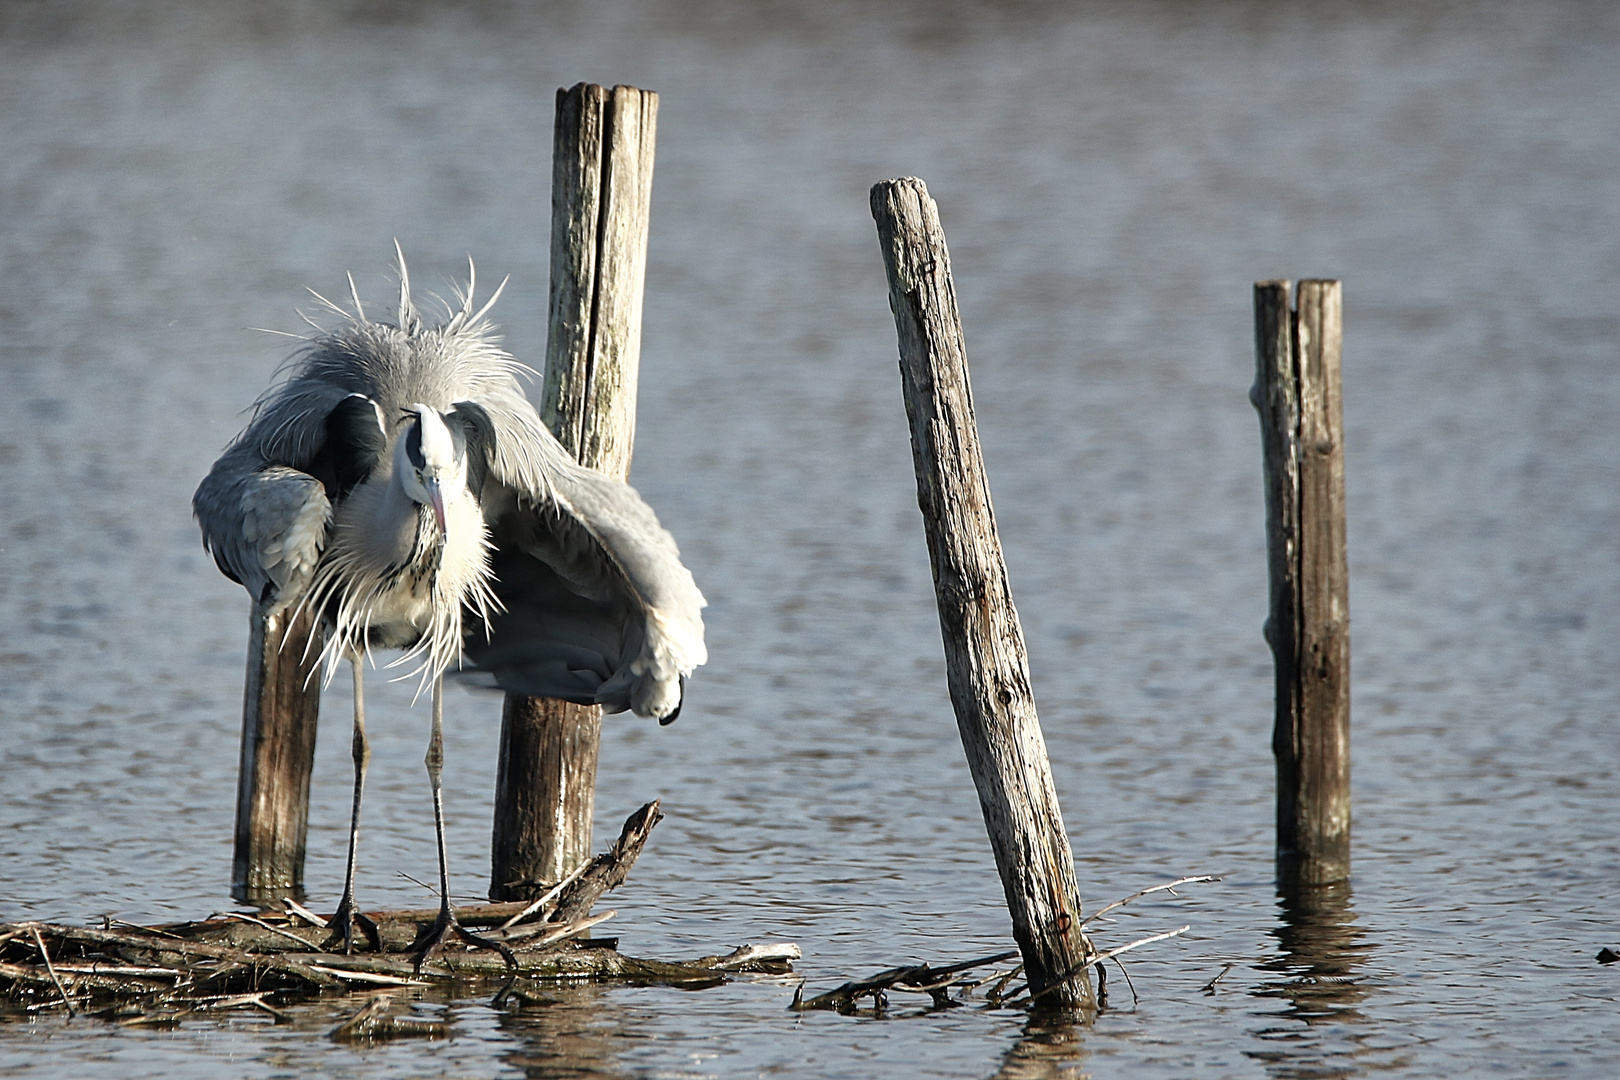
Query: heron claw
point(433, 937)
point(344, 921)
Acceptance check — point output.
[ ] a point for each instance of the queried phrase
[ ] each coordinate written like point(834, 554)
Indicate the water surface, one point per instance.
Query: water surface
point(1112, 179)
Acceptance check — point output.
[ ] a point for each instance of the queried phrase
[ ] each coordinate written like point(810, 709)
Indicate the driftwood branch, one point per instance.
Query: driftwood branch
point(550, 895)
point(609, 869)
point(295, 908)
point(1097, 958)
point(157, 975)
point(160, 974)
point(940, 981)
point(921, 978)
point(1169, 887)
point(773, 958)
point(56, 979)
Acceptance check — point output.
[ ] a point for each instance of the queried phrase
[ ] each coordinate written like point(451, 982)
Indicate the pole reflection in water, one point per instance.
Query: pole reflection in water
point(1317, 974)
point(1051, 1048)
point(565, 1032)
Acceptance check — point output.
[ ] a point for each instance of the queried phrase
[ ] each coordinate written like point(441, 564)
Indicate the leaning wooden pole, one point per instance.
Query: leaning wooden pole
point(986, 664)
point(601, 197)
point(1302, 430)
point(280, 709)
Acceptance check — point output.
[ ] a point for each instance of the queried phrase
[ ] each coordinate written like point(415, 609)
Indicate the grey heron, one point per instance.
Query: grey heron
point(399, 484)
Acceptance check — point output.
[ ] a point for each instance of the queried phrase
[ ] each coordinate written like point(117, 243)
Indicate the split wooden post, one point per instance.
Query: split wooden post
point(1302, 430)
point(986, 664)
point(601, 198)
point(280, 709)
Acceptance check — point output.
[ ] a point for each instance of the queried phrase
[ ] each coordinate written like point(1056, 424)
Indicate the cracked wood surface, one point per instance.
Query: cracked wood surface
point(987, 665)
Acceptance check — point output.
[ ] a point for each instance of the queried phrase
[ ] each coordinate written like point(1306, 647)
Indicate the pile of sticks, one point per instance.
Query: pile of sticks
point(939, 983)
point(158, 974)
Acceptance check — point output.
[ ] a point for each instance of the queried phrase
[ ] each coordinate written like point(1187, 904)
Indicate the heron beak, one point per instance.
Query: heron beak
point(437, 496)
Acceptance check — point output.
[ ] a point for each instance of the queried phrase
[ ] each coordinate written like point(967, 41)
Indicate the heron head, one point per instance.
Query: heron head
point(430, 460)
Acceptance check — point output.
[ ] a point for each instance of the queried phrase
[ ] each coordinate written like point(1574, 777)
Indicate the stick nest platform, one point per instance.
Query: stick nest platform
point(158, 974)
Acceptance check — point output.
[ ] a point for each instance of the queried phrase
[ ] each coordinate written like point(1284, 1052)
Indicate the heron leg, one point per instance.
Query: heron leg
point(428, 942)
point(348, 912)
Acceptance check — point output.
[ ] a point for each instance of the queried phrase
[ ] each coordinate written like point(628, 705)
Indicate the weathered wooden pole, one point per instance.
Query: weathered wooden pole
point(1302, 430)
point(986, 664)
point(601, 198)
point(280, 709)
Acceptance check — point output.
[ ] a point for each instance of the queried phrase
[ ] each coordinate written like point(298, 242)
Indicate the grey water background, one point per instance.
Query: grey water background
point(1112, 178)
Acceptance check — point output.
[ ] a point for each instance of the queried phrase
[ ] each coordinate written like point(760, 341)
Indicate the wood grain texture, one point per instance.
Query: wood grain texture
point(602, 169)
point(280, 712)
point(545, 794)
point(987, 666)
point(601, 201)
point(1297, 392)
point(609, 869)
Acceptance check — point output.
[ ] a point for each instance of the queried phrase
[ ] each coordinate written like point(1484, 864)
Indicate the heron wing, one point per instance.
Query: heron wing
point(266, 505)
point(264, 524)
point(598, 606)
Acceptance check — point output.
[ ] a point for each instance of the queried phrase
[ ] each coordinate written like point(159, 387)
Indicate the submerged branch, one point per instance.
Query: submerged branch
point(939, 982)
point(921, 978)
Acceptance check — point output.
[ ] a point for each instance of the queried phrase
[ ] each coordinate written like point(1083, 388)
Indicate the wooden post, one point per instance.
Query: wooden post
point(601, 198)
point(986, 664)
point(280, 709)
point(1302, 430)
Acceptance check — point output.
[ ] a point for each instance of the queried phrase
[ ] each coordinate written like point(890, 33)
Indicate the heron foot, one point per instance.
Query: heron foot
point(347, 917)
point(433, 937)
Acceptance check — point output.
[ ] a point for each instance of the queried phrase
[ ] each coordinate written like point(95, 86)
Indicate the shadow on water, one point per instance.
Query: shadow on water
point(1050, 1048)
point(566, 1033)
point(1318, 976)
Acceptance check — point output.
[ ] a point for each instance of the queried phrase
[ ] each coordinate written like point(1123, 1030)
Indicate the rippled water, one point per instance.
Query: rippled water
point(1112, 178)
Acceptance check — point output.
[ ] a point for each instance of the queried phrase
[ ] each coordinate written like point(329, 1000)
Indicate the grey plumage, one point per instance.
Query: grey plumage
point(399, 484)
point(590, 601)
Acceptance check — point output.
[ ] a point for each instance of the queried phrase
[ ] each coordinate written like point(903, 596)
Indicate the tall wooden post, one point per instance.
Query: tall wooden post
point(986, 664)
point(1302, 430)
point(280, 709)
point(601, 197)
